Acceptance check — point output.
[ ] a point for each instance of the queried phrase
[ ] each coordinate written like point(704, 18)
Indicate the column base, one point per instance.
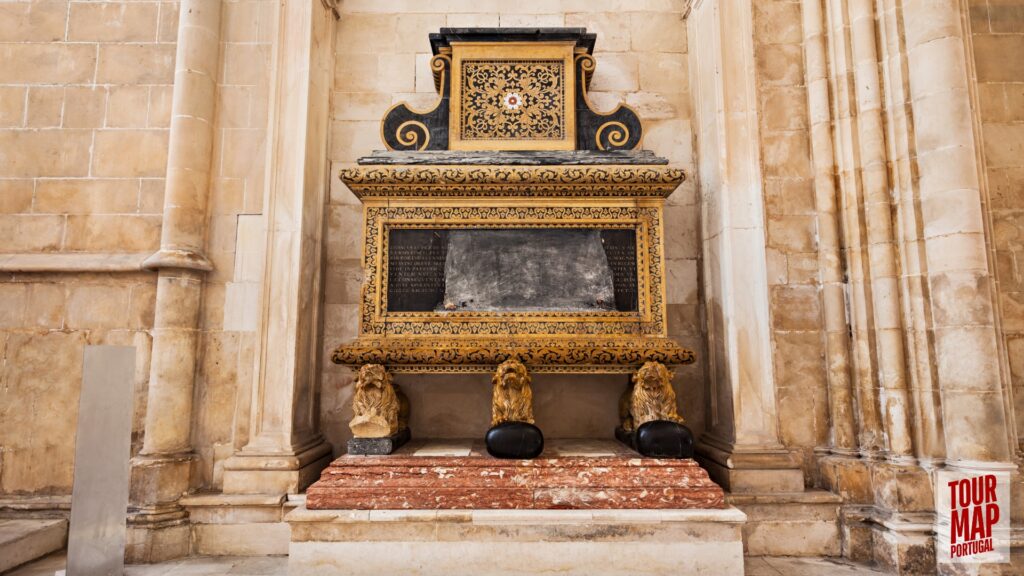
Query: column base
point(904, 544)
point(269, 473)
point(157, 536)
point(159, 480)
point(744, 470)
point(888, 512)
point(157, 526)
point(238, 524)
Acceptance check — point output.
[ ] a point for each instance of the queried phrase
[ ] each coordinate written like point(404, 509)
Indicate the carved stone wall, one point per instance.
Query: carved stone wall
point(874, 152)
point(81, 203)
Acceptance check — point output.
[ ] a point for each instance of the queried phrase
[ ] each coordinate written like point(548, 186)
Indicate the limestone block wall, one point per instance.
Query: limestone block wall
point(84, 109)
point(997, 30)
point(85, 103)
point(792, 223)
point(382, 57)
point(236, 237)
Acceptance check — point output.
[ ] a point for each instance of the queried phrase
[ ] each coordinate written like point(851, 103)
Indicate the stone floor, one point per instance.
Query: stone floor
point(278, 566)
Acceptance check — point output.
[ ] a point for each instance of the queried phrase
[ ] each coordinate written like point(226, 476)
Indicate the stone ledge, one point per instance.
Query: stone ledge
point(517, 517)
point(22, 541)
point(512, 157)
point(498, 542)
point(237, 524)
point(34, 506)
point(790, 523)
point(73, 262)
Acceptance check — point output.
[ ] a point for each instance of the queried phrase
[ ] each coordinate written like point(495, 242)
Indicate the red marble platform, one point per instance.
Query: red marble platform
point(568, 475)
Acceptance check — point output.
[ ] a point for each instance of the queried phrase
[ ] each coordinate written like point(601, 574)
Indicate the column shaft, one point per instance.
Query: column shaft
point(881, 253)
point(843, 432)
point(158, 527)
point(959, 279)
point(285, 451)
point(742, 450)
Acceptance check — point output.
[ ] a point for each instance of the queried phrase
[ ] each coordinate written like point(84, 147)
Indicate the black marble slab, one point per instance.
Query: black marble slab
point(446, 36)
point(513, 157)
point(514, 441)
point(416, 268)
point(659, 439)
point(378, 446)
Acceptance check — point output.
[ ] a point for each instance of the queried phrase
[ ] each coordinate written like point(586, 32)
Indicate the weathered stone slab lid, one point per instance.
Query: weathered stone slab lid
point(446, 36)
point(512, 157)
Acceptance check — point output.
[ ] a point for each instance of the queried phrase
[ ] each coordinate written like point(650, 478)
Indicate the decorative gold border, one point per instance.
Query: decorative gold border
point(512, 51)
point(469, 181)
point(557, 354)
point(466, 195)
point(648, 320)
point(642, 313)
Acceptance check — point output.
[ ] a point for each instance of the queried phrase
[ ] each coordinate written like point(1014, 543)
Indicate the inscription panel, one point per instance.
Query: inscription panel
point(620, 249)
point(416, 260)
point(512, 270)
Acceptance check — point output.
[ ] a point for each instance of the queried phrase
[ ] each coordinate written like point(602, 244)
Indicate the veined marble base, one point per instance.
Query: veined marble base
point(576, 475)
point(507, 542)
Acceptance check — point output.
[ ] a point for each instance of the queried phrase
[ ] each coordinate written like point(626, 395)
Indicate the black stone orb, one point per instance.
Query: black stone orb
point(514, 440)
point(664, 439)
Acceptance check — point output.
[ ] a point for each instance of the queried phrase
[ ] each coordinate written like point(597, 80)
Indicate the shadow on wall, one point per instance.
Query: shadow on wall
point(565, 406)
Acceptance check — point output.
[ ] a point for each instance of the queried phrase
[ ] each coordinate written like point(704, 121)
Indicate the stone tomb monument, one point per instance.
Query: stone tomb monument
point(513, 230)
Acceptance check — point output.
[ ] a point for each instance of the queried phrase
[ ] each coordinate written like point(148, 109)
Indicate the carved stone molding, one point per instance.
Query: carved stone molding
point(540, 355)
point(517, 181)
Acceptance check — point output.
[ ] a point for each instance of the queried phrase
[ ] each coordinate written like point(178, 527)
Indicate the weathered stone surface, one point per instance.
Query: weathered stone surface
point(507, 542)
point(527, 270)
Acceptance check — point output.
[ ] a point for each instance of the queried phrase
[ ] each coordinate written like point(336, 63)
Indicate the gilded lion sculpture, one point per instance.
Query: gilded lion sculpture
point(379, 407)
point(513, 397)
point(649, 397)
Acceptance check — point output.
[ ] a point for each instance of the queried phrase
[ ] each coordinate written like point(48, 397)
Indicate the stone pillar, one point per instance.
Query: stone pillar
point(843, 432)
point(741, 450)
point(872, 171)
point(958, 269)
point(869, 414)
point(158, 528)
point(285, 451)
point(926, 423)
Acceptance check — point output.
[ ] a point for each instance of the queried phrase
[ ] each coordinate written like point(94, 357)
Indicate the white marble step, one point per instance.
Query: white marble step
point(22, 541)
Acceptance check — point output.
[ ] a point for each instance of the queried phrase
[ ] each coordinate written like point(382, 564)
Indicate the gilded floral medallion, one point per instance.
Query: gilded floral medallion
point(503, 99)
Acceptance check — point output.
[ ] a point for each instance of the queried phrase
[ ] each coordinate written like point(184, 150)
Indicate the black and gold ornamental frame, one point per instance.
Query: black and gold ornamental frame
point(547, 161)
point(511, 89)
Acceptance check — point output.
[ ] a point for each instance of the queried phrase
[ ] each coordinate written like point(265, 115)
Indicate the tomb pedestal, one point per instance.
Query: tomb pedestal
point(583, 507)
point(514, 542)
